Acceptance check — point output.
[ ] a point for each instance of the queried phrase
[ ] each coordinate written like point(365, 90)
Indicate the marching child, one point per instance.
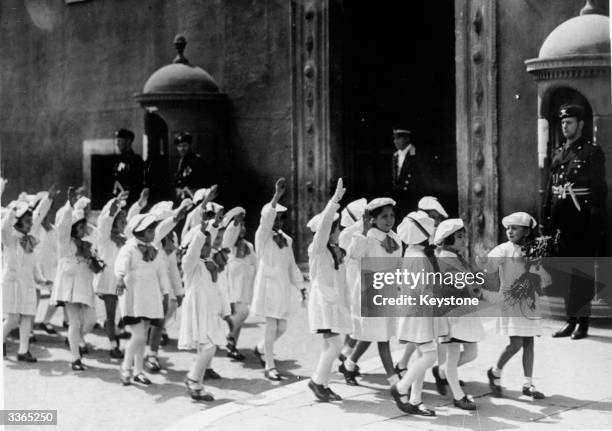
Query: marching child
point(328, 309)
point(276, 274)
point(519, 322)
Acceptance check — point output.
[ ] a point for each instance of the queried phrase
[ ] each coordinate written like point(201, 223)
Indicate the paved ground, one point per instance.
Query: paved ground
point(576, 376)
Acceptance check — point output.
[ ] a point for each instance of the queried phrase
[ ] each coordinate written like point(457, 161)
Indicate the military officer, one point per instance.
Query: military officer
point(191, 171)
point(407, 168)
point(575, 206)
point(128, 170)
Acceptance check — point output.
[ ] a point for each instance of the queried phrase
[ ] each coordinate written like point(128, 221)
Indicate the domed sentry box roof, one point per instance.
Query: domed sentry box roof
point(580, 47)
point(179, 81)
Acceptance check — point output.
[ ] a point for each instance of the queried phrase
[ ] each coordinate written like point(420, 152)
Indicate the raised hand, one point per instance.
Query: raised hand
point(280, 187)
point(183, 209)
point(72, 196)
point(3, 183)
point(239, 219)
point(144, 198)
point(218, 218)
point(53, 192)
point(211, 195)
point(340, 190)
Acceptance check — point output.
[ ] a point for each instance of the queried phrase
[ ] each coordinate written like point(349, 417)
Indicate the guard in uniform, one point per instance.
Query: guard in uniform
point(407, 169)
point(575, 205)
point(191, 171)
point(128, 170)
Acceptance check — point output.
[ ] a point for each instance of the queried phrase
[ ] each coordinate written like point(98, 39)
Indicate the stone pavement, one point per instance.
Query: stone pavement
point(576, 376)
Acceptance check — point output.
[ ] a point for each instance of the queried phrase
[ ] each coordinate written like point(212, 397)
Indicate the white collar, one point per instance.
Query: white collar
point(409, 148)
point(380, 235)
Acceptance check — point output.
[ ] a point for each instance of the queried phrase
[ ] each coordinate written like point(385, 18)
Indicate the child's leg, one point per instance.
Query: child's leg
point(441, 355)
point(332, 344)
point(25, 327)
point(110, 304)
point(511, 349)
point(88, 320)
point(137, 330)
point(141, 338)
point(359, 350)
point(11, 322)
point(281, 328)
point(453, 353)
point(269, 339)
point(408, 351)
point(73, 312)
point(201, 362)
point(155, 333)
point(49, 312)
point(385, 356)
point(349, 345)
point(242, 312)
point(416, 371)
point(528, 358)
point(470, 352)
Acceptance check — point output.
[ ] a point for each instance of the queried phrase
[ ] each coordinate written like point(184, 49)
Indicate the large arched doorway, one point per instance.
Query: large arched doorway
point(157, 157)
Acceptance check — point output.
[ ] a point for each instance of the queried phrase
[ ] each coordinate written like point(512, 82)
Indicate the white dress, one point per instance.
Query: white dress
point(373, 329)
point(353, 268)
point(202, 309)
point(74, 279)
point(328, 305)
point(278, 278)
point(421, 327)
point(105, 282)
point(240, 270)
point(466, 328)
point(18, 267)
point(145, 282)
point(517, 320)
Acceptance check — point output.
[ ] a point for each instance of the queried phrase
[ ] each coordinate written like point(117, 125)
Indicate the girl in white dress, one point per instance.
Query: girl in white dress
point(377, 239)
point(142, 279)
point(19, 270)
point(241, 267)
point(328, 306)
point(277, 275)
point(202, 326)
point(513, 322)
point(74, 281)
point(463, 331)
point(109, 240)
point(419, 330)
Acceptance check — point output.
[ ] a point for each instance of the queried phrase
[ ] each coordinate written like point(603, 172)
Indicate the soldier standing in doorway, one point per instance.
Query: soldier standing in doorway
point(407, 181)
point(191, 171)
point(575, 205)
point(128, 171)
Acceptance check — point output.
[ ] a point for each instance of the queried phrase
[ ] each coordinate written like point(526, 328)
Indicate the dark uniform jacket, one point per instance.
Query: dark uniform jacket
point(129, 172)
point(407, 183)
point(191, 172)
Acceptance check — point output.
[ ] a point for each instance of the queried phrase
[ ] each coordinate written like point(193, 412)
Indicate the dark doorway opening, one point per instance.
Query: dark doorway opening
point(157, 175)
point(396, 67)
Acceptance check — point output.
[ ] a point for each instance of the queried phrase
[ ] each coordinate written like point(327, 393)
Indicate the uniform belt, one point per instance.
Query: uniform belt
point(568, 189)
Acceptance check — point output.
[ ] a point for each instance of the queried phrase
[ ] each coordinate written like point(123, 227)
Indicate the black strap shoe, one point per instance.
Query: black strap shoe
point(211, 374)
point(272, 374)
point(26, 357)
point(142, 379)
point(259, 356)
point(420, 410)
point(440, 382)
point(349, 377)
point(566, 330)
point(332, 395)
point(152, 364)
point(319, 391)
point(465, 403)
point(533, 392)
point(197, 392)
point(494, 384)
point(399, 371)
point(116, 353)
point(234, 354)
point(77, 365)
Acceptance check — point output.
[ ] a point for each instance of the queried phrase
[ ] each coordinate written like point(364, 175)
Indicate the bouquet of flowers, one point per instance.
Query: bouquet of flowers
point(525, 288)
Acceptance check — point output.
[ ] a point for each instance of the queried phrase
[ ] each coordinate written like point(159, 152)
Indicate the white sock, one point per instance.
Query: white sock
point(496, 371)
point(393, 380)
point(528, 381)
point(350, 365)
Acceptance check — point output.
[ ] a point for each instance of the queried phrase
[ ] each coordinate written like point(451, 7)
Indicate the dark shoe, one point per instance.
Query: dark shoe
point(259, 356)
point(165, 340)
point(465, 403)
point(332, 395)
point(397, 397)
point(211, 374)
point(48, 328)
point(440, 382)
point(152, 364)
point(26, 357)
point(32, 338)
point(496, 389)
point(123, 335)
point(234, 354)
point(272, 374)
point(420, 410)
point(196, 393)
point(582, 331)
point(77, 365)
point(399, 371)
point(97, 326)
point(65, 324)
point(142, 379)
point(533, 392)
point(319, 391)
point(14, 333)
point(566, 331)
point(349, 377)
point(115, 353)
point(125, 376)
point(83, 350)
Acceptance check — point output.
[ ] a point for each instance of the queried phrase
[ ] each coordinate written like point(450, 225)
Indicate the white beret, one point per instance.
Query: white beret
point(431, 203)
point(199, 195)
point(446, 228)
point(519, 219)
point(162, 210)
point(280, 208)
point(412, 233)
point(78, 214)
point(353, 212)
point(313, 223)
point(82, 203)
point(379, 202)
point(140, 222)
point(20, 207)
point(231, 214)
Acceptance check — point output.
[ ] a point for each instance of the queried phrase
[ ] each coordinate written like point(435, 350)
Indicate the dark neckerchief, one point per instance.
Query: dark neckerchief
point(149, 253)
point(83, 248)
point(213, 269)
point(338, 254)
point(389, 244)
point(242, 249)
point(279, 239)
point(28, 242)
point(118, 238)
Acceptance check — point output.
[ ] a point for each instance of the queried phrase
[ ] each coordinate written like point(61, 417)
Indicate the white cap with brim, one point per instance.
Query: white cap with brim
point(162, 210)
point(353, 212)
point(231, 214)
point(431, 203)
point(199, 195)
point(447, 228)
point(20, 207)
point(379, 202)
point(186, 240)
point(313, 223)
point(140, 222)
point(519, 219)
point(416, 227)
point(82, 203)
point(78, 214)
